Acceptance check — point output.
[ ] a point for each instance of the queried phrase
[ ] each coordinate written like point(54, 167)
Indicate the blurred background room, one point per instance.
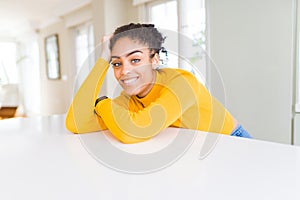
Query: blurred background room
point(246, 53)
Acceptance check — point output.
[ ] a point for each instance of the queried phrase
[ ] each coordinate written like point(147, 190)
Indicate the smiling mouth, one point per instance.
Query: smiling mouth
point(129, 81)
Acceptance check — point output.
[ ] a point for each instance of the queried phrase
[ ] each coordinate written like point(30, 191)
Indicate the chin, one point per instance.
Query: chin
point(130, 92)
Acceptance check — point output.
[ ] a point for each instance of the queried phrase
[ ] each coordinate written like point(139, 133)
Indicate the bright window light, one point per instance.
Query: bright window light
point(8, 67)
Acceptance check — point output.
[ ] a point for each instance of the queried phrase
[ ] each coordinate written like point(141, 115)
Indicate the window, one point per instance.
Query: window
point(193, 20)
point(187, 17)
point(8, 67)
point(84, 45)
point(164, 14)
point(193, 26)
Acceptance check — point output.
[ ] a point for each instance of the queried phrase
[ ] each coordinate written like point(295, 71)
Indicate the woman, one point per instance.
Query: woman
point(152, 98)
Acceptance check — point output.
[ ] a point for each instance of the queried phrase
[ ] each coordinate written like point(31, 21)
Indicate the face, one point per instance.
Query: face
point(133, 66)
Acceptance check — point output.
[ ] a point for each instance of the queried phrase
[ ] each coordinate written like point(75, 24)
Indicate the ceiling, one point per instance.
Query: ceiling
point(18, 16)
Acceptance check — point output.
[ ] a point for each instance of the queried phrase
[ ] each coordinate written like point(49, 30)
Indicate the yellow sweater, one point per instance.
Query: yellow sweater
point(177, 99)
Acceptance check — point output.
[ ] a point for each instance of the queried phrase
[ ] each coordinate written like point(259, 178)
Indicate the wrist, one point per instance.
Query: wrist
point(105, 56)
point(104, 48)
point(97, 101)
point(100, 99)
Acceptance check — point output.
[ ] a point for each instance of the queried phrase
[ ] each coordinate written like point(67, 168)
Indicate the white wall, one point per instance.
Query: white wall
point(56, 94)
point(296, 128)
point(251, 42)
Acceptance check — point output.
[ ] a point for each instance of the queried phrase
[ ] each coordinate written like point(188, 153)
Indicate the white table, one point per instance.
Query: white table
point(40, 159)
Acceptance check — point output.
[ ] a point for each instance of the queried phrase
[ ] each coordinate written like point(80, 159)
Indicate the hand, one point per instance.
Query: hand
point(105, 51)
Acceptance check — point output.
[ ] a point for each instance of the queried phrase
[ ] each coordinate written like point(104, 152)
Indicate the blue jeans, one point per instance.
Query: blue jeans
point(239, 131)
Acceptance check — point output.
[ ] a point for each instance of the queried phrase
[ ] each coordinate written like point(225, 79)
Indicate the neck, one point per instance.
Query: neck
point(151, 84)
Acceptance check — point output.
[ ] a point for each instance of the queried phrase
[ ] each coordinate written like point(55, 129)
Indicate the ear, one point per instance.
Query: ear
point(155, 61)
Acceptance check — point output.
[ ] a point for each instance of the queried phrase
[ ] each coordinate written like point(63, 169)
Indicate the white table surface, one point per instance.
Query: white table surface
point(40, 159)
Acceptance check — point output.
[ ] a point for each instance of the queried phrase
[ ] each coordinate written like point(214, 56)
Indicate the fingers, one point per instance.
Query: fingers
point(106, 38)
point(105, 51)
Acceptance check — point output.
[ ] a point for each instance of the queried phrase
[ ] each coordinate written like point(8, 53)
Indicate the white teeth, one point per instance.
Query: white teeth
point(128, 81)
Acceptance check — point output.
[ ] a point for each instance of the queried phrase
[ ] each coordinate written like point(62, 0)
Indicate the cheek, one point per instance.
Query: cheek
point(117, 73)
point(148, 73)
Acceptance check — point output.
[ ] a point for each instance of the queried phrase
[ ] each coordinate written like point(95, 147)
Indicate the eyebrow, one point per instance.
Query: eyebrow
point(133, 52)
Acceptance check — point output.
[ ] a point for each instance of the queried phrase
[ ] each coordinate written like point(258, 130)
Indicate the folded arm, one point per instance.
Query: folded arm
point(131, 127)
point(81, 117)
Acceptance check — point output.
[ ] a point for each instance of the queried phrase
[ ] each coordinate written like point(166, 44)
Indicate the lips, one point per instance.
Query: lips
point(129, 81)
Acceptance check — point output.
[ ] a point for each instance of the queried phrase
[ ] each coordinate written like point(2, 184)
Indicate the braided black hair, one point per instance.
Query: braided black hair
point(143, 33)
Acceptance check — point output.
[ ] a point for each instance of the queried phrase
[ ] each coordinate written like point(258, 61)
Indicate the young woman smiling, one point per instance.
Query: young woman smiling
point(152, 98)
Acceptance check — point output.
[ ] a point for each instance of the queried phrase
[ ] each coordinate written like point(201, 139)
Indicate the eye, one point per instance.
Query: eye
point(116, 64)
point(135, 60)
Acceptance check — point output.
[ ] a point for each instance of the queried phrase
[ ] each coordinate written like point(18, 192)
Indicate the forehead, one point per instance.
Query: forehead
point(126, 45)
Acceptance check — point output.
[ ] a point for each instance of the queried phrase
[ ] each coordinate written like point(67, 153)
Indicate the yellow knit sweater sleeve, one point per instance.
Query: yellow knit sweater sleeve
point(129, 126)
point(81, 117)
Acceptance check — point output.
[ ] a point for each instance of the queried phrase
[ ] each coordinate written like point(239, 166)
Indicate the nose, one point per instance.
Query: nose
point(126, 67)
